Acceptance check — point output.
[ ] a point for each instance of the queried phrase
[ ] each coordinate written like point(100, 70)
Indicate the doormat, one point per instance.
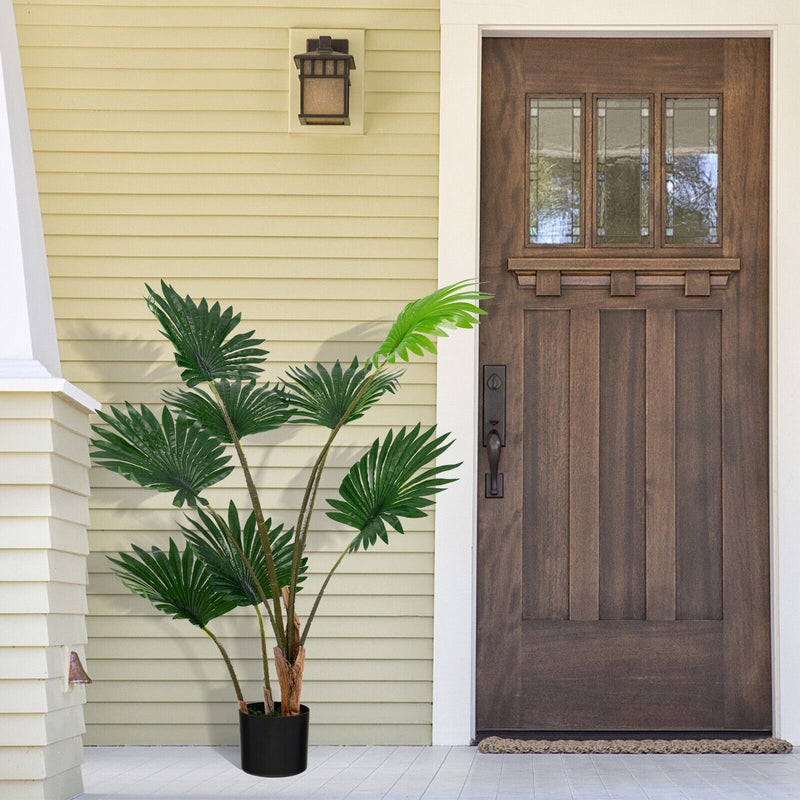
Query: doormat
point(494, 744)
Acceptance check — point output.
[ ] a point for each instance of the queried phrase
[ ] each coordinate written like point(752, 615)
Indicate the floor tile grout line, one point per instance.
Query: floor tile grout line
point(400, 777)
point(372, 772)
point(438, 769)
point(348, 765)
point(450, 753)
point(667, 776)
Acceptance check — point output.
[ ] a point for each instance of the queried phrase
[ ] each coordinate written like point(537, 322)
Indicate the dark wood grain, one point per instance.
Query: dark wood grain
point(499, 586)
point(548, 283)
point(643, 678)
point(546, 507)
point(698, 464)
point(623, 283)
point(622, 464)
point(698, 284)
point(660, 464)
point(745, 352)
point(640, 371)
point(584, 459)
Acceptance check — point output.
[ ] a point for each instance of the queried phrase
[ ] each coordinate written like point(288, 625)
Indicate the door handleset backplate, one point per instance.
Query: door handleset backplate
point(494, 424)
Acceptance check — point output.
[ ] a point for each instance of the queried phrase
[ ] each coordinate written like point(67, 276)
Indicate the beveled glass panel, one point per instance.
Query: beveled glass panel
point(623, 170)
point(554, 213)
point(691, 146)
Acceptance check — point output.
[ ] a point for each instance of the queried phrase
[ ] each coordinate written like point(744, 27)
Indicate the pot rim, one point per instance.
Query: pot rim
point(304, 711)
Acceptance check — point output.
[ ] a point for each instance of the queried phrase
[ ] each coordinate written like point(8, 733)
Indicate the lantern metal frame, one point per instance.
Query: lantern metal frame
point(326, 59)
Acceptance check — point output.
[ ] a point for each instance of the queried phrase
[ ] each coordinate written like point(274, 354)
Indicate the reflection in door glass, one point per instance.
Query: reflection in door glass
point(691, 128)
point(555, 171)
point(623, 170)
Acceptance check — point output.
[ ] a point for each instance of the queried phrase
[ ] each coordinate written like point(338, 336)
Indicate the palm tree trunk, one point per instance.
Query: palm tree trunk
point(290, 677)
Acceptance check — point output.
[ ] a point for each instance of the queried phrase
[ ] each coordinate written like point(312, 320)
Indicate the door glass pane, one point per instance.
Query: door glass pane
point(691, 144)
point(623, 170)
point(555, 171)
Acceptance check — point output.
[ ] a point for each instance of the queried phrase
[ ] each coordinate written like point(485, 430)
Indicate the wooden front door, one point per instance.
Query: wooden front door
point(623, 576)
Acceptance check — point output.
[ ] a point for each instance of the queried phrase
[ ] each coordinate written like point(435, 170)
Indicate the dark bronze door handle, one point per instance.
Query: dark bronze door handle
point(494, 484)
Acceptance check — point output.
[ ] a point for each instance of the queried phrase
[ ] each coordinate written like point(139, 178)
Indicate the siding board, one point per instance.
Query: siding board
point(161, 150)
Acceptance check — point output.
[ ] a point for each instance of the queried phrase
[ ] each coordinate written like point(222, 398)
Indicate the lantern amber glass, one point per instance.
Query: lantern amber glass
point(324, 97)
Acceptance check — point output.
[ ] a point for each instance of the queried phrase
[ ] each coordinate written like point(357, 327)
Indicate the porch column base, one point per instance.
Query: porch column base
point(44, 514)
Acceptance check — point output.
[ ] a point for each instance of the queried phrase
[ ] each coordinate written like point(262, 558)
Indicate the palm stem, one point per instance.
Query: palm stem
point(277, 621)
point(322, 591)
point(304, 517)
point(264, 660)
point(228, 664)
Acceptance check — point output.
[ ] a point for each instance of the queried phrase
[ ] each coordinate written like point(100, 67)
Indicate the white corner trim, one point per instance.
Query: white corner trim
point(464, 22)
point(27, 325)
point(57, 386)
point(457, 393)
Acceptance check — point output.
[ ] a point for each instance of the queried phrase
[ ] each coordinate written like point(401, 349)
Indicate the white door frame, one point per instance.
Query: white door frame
point(464, 24)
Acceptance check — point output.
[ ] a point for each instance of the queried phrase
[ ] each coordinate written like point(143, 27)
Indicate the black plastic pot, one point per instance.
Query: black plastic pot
point(273, 747)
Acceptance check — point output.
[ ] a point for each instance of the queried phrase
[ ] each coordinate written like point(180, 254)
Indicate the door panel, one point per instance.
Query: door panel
point(623, 579)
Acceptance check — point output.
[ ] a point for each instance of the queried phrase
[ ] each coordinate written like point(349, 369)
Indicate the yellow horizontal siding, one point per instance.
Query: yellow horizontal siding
point(208, 225)
point(138, 674)
point(346, 730)
point(128, 517)
point(228, 80)
point(372, 583)
point(327, 691)
point(240, 626)
point(379, 121)
point(160, 142)
point(221, 712)
point(397, 58)
point(248, 22)
point(166, 205)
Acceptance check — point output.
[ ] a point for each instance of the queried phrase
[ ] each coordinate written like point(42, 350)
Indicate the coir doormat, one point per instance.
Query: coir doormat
point(494, 744)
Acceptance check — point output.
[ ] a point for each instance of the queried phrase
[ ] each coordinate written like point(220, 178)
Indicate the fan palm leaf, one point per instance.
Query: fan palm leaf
point(201, 336)
point(413, 331)
point(251, 408)
point(228, 572)
point(322, 397)
point(391, 481)
point(175, 455)
point(179, 585)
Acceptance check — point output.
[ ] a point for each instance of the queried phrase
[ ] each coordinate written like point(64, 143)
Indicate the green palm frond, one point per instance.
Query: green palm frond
point(322, 397)
point(251, 408)
point(175, 455)
point(392, 480)
point(201, 336)
point(228, 573)
point(453, 306)
point(178, 585)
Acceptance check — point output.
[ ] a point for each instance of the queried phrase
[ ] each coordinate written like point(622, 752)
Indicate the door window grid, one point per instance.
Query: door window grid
point(624, 184)
point(691, 185)
point(623, 170)
point(555, 161)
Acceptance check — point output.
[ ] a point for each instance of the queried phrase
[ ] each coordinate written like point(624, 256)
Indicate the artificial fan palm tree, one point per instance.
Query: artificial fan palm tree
point(258, 563)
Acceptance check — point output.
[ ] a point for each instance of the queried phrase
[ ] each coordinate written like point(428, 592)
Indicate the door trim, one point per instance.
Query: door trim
point(463, 27)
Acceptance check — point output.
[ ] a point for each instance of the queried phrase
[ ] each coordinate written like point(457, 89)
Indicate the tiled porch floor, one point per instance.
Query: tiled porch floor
point(437, 773)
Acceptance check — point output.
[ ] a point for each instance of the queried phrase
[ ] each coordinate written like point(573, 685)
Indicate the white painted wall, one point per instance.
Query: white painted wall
point(464, 23)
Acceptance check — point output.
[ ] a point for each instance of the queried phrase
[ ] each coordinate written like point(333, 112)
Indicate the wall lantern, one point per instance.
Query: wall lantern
point(325, 81)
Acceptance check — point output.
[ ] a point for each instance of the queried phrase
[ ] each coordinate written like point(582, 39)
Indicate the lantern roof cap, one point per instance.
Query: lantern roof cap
point(327, 49)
